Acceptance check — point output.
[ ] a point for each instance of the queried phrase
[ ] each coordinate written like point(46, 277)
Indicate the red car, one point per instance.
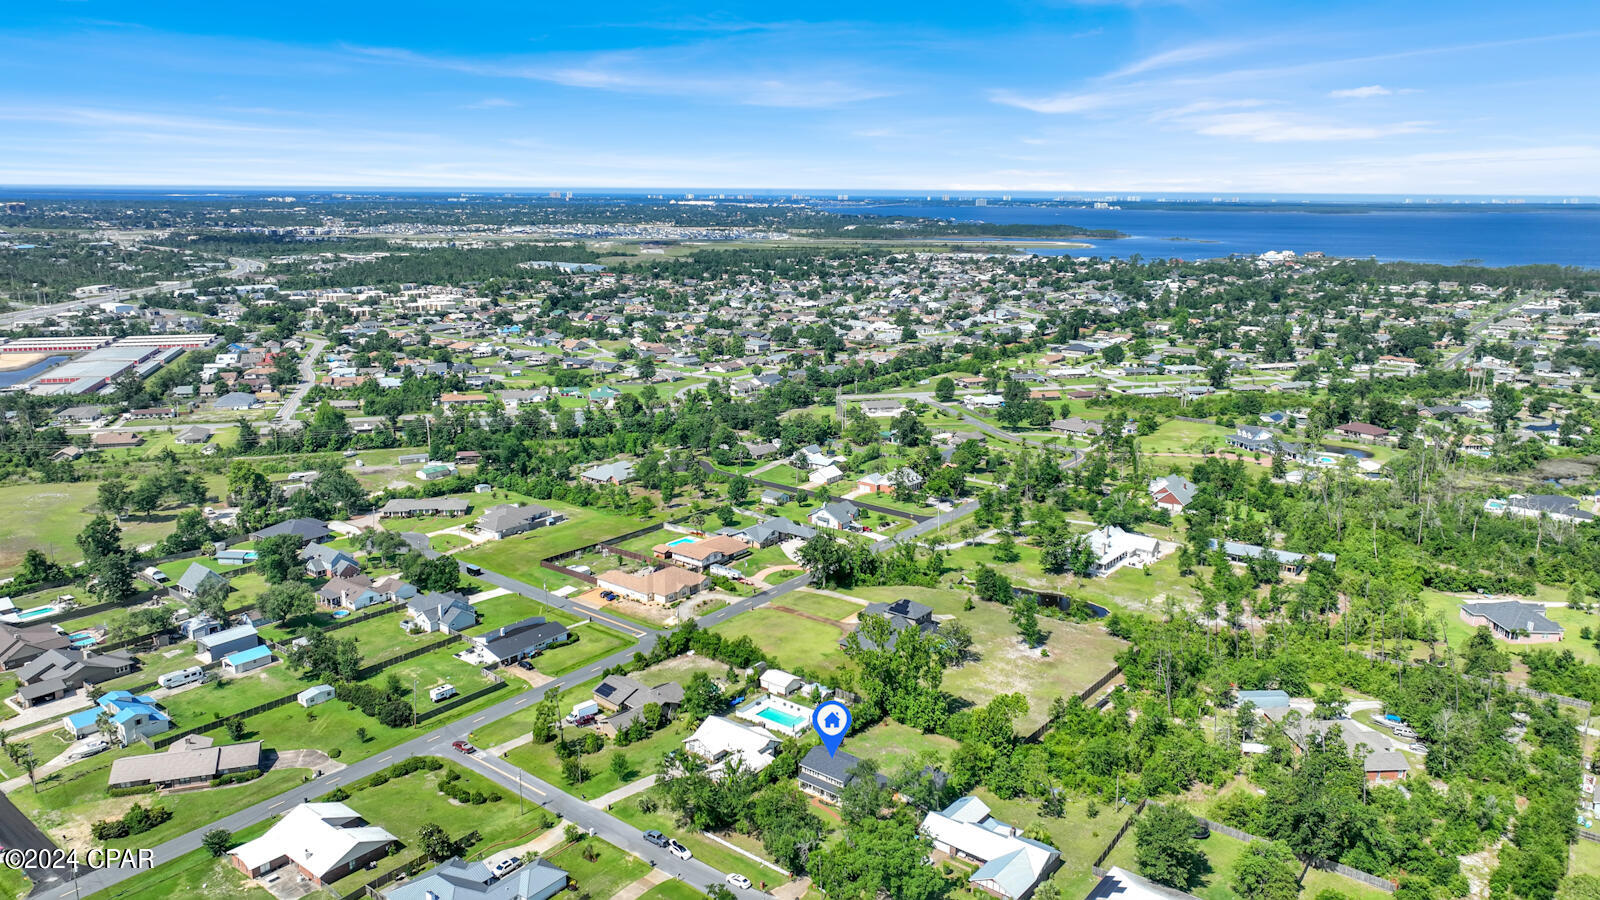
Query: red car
point(464, 747)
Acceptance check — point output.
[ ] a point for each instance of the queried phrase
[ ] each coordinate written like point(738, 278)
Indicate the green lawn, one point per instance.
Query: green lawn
point(508, 608)
point(707, 851)
point(1079, 837)
point(1184, 437)
point(1079, 654)
point(819, 605)
point(643, 756)
point(48, 517)
point(672, 890)
point(518, 557)
point(889, 744)
point(444, 543)
point(610, 871)
point(764, 558)
point(796, 643)
point(199, 705)
point(195, 874)
point(594, 642)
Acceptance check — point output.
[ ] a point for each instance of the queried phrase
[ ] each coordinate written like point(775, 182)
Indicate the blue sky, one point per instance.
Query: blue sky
point(1409, 97)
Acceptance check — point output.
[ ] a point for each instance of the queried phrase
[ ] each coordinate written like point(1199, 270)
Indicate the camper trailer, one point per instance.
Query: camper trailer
point(182, 677)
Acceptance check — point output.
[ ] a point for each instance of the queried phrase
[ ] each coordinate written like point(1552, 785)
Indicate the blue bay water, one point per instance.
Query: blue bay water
point(1490, 237)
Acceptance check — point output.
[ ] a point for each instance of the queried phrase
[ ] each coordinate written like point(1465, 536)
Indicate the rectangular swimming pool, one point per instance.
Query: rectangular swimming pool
point(779, 717)
point(682, 540)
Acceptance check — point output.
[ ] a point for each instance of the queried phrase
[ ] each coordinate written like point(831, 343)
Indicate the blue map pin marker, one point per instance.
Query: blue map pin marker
point(831, 721)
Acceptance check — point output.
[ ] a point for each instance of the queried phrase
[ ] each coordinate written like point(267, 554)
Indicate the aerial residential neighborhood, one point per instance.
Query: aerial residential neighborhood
point(1103, 450)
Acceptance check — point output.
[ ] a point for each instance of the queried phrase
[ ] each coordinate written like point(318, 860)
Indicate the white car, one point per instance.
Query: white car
point(738, 881)
point(507, 866)
point(679, 850)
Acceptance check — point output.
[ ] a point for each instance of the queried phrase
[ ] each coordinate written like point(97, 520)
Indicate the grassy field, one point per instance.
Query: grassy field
point(796, 643)
point(643, 757)
point(404, 805)
point(1079, 837)
point(610, 871)
point(1079, 654)
point(1446, 608)
point(518, 557)
point(835, 608)
point(48, 517)
point(889, 744)
point(1184, 437)
point(508, 608)
point(195, 874)
point(671, 890)
point(502, 730)
point(1125, 589)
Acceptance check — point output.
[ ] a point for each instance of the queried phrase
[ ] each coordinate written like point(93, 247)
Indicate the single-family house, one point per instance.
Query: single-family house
point(624, 700)
point(454, 879)
point(1362, 431)
point(836, 514)
point(507, 519)
point(20, 646)
point(132, 717)
point(192, 760)
point(1009, 865)
point(1114, 548)
point(428, 506)
point(1513, 621)
point(610, 473)
point(54, 674)
point(718, 549)
point(886, 482)
point(352, 592)
point(446, 613)
point(902, 614)
point(307, 530)
point(324, 841)
point(520, 640)
point(1172, 492)
point(663, 584)
point(824, 775)
point(195, 580)
point(324, 561)
point(723, 742)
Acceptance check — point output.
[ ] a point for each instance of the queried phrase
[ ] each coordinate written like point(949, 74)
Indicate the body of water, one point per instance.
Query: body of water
point(9, 379)
point(1490, 236)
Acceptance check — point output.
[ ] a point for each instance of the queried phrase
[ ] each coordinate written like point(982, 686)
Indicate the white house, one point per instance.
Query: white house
point(1114, 548)
point(722, 741)
point(325, 841)
point(837, 514)
point(1009, 864)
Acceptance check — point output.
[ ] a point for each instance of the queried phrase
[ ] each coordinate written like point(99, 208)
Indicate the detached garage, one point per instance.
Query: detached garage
point(246, 660)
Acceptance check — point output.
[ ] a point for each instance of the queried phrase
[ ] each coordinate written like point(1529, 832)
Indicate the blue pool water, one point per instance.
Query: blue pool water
point(35, 613)
point(787, 720)
point(682, 540)
point(340, 613)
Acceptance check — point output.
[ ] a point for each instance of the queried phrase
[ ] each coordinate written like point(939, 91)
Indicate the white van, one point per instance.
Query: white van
point(442, 692)
point(182, 677)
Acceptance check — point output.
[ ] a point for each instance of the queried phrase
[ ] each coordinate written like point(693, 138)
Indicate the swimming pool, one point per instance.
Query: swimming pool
point(779, 717)
point(682, 540)
point(35, 613)
point(82, 639)
point(340, 613)
point(777, 714)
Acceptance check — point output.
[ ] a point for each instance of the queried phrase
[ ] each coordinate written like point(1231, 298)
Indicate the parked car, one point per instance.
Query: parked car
point(507, 866)
point(678, 850)
point(526, 664)
point(656, 838)
point(464, 747)
point(738, 881)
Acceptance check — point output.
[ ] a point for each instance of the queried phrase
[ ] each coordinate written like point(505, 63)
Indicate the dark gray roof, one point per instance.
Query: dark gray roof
point(196, 577)
point(305, 529)
point(518, 637)
point(1514, 616)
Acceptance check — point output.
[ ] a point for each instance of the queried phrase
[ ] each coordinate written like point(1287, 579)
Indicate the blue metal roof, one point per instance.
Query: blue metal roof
point(244, 656)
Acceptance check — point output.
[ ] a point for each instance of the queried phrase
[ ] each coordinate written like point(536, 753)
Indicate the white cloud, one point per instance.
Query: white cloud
point(491, 103)
point(1272, 127)
point(1191, 53)
point(1361, 93)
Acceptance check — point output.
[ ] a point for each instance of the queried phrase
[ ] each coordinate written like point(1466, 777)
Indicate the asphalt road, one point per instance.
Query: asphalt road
point(308, 361)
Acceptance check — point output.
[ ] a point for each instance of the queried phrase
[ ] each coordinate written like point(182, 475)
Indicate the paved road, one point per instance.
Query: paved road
point(605, 826)
point(1076, 456)
point(308, 362)
point(1475, 337)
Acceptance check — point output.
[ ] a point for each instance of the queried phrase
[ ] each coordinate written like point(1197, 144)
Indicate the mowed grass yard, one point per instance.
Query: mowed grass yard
point(795, 642)
point(518, 557)
point(195, 874)
point(1125, 589)
point(48, 517)
point(1079, 653)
